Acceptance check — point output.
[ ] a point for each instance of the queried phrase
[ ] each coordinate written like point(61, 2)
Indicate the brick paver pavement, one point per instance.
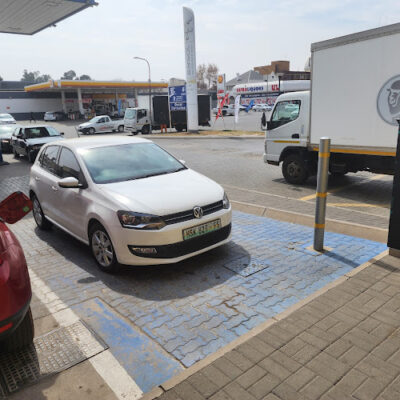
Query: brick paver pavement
point(344, 344)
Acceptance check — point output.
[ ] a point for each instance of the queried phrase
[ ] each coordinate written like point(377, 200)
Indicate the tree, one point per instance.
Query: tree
point(34, 77)
point(201, 75)
point(211, 76)
point(85, 78)
point(69, 75)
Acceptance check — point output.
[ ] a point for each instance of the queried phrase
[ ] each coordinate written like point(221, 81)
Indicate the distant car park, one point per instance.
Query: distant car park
point(54, 116)
point(6, 132)
point(7, 119)
point(27, 140)
point(262, 107)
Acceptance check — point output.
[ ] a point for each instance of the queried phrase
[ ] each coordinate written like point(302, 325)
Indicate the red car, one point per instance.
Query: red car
point(16, 323)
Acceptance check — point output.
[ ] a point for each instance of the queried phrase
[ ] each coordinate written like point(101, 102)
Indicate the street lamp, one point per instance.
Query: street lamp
point(148, 65)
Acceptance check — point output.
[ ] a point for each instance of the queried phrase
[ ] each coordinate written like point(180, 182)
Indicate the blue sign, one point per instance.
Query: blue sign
point(177, 98)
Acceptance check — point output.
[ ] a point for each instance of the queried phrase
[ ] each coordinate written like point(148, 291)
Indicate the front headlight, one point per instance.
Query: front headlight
point(133, 220)
point(225, 201)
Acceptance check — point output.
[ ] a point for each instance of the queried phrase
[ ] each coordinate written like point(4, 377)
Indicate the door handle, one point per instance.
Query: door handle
point(37, 178)
point(55, 188)
point(295, 136)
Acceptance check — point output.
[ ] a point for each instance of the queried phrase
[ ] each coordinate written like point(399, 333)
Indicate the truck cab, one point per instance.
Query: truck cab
point(287, 136)
point(137, 120)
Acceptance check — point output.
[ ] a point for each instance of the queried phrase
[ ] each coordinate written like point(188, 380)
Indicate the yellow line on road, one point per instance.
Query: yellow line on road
point(357, 205)
point(338, 189)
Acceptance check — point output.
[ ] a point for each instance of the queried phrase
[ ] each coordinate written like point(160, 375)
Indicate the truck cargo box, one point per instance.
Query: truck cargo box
point(355, 91)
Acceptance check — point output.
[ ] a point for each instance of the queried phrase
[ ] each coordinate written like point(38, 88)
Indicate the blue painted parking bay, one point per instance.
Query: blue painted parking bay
point(159, 320)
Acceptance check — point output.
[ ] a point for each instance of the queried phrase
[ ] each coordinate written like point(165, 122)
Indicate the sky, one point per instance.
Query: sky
point(235, 35)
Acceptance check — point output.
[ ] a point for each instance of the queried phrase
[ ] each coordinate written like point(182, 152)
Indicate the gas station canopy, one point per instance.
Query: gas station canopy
point(56, 86)
point(27, 17)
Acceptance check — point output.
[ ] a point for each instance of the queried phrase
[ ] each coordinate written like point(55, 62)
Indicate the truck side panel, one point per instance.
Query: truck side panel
point(346, 82)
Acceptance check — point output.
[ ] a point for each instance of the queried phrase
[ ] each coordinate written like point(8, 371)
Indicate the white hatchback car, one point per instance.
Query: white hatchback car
point(129, 200)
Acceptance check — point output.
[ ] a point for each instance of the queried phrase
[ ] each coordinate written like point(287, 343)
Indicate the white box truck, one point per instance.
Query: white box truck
point(354, 100)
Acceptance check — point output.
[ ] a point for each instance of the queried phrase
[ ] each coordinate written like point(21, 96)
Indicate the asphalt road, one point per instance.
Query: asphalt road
point(237, 164)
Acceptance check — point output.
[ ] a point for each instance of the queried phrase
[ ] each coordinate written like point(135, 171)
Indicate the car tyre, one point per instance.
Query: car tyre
point(121, 128)
point(294, 169)
point(15, 153)
point(31, 157)
point(145, 130)
point(102, 248)
point(41, 221)
point(92, 131)
point(22, 336)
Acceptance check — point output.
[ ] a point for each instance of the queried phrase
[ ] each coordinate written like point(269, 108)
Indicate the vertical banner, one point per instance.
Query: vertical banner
point(237, 108)
point(191, 75)
point(221, 105)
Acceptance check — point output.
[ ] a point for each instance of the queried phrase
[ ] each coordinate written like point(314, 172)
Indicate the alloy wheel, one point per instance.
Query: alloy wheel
point(102, 248)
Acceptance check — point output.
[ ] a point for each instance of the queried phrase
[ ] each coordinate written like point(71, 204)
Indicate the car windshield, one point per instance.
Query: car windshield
point(5, 116)
point(6, 131)
point(130, 113)
point(94, 120)
point(128, 161)
point(39, 132)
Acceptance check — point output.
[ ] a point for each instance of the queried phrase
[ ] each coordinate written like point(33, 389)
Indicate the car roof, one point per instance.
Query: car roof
point(35, 126)
point(91, 142)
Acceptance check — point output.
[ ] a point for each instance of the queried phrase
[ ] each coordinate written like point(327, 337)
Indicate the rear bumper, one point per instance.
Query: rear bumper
point(9, 325)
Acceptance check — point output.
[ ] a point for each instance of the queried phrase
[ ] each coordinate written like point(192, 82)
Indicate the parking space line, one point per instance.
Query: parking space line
point(105, 364)
point(340, 188)
point(258, 192)
point(357, 205)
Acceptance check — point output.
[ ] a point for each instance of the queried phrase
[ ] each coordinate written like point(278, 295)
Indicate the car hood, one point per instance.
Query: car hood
point(43, 140)
point(164, 194)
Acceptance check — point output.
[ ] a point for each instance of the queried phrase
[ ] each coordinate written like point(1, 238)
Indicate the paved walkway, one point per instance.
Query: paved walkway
point(343, 344)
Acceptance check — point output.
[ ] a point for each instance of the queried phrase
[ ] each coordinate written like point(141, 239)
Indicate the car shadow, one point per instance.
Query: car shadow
point(157, 282)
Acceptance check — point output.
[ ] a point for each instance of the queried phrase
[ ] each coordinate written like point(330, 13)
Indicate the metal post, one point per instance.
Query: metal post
point(150, 110)
point(322, 188)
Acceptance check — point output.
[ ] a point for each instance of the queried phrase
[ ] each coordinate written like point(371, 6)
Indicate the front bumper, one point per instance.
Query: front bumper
point(168, 242)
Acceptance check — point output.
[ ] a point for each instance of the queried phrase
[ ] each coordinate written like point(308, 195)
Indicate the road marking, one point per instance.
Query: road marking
point(105, 364)
point(258, 192)
point(338, 189)
point(293, 198)
point(357, 205)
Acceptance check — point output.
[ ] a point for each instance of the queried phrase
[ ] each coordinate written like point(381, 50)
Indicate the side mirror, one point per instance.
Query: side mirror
point(20, 136)
point(269, 125)
point(182, 162)
point(62, 133)
point(70, 182)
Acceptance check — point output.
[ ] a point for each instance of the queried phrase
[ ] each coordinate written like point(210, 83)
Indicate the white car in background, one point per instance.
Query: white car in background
point(7, 119)
point(129, 200)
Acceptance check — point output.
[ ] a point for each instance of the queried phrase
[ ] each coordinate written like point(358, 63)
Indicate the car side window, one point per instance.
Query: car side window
point(285, 111)
point(68, 165)
point(49, 159)
point(101, 120)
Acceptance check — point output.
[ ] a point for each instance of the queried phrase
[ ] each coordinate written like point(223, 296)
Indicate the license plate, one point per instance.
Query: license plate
point(202, 229)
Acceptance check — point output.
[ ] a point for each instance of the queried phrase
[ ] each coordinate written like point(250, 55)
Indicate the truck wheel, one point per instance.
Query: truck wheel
point(294, 169)
point(145, 130)
point(92, 131)
point(121, 128)
point(179, 128)
point(22, 336)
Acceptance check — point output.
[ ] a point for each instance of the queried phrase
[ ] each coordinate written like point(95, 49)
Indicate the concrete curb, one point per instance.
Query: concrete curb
point(169, 384)
point(332, 225)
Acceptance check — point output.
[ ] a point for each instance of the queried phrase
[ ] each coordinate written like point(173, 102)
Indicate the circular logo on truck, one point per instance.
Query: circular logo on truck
point(388, 101)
